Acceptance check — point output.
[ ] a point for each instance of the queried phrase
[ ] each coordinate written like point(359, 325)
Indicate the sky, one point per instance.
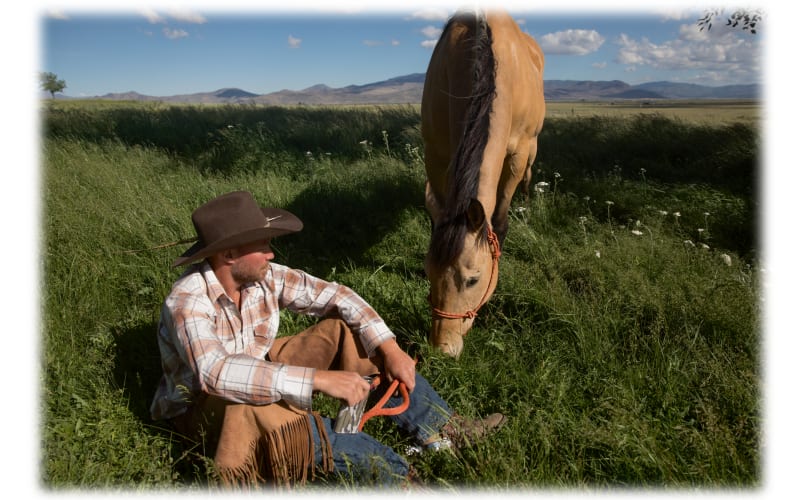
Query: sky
point(164, 51)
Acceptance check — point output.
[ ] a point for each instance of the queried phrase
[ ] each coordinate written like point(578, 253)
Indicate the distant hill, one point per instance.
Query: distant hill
point(218, 96)
point(408, 89)
point(570, 90)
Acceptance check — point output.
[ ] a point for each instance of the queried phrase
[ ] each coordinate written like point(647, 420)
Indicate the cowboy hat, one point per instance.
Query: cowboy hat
point(233, 220)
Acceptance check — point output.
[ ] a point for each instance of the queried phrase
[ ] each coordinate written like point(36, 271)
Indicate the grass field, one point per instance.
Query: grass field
point(704, 112)
point(623, 341)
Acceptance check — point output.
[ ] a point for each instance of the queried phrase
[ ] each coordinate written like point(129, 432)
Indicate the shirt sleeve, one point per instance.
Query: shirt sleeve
point(302, 293)
point(239, 378)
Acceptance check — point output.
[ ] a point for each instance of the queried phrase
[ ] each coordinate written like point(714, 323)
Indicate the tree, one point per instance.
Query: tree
point(741, 18)
point(50, 82)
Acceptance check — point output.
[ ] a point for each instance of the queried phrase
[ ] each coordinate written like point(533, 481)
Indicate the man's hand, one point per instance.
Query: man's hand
point(347, 386)
point(398, 364)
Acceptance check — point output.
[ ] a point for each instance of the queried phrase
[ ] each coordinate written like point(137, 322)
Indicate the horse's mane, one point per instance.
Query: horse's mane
point(447, 240)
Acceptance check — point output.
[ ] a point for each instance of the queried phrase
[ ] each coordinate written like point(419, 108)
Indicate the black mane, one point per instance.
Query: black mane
point(447, 240)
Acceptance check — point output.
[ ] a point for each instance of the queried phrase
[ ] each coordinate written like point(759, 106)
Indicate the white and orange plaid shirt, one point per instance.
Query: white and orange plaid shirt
point(208, 345)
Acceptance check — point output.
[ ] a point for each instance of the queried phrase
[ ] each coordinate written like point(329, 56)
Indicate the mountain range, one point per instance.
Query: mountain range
point(408, 89)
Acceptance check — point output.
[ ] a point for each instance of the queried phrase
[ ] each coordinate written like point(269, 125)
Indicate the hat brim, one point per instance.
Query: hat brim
point(281, 222)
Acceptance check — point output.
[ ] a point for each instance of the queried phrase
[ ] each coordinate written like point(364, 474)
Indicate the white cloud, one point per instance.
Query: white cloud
point(187, 16)
point(600, 65)
point(152, 16)
point(724, 52)
point(571, 42)
point(294, 43)
point(174, 34)
point(430, 15)
point(57, 14)
point(431, 31)
point(675, 14)
point(184, 16)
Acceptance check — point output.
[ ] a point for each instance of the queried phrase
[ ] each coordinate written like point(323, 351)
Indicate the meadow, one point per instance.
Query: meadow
point(623, 341)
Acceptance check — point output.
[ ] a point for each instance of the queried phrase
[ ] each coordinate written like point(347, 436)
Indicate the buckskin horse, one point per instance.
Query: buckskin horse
point(482, 111)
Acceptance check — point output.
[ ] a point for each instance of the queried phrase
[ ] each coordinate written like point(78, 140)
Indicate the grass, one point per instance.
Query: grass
point(622, 342)
point(702, 112)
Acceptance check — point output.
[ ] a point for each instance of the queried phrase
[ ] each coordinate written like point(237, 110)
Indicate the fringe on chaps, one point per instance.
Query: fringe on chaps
point(253, 445)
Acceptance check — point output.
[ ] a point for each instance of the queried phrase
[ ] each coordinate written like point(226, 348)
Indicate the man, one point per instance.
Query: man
point(229, 381)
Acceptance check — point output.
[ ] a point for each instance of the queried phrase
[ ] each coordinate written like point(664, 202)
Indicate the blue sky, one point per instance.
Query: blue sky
point(160, 51)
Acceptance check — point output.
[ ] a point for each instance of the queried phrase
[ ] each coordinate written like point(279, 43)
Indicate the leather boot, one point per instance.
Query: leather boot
point(466, 431)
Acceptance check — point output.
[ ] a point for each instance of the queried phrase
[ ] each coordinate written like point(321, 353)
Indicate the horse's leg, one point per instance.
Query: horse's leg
point(526, 178)
point(515, 169)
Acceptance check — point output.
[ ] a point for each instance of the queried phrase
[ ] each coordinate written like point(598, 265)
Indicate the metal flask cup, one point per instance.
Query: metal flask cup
point(349, 417)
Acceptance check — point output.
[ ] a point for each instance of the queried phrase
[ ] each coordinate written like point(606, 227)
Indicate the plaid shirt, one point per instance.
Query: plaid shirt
point(208, 345)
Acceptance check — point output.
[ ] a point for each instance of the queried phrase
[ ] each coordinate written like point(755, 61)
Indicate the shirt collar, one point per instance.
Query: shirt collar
point(215, 288)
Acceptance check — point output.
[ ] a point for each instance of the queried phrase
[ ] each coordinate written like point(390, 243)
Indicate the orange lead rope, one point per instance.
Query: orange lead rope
point(379, 410)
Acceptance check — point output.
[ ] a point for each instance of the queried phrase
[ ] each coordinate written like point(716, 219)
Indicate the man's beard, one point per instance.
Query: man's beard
point(248, 274)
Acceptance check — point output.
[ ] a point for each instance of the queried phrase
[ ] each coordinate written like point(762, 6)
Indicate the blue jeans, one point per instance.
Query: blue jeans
point(366, 458)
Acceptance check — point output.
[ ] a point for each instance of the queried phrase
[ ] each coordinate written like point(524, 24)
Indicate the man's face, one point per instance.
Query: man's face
point(251, 261)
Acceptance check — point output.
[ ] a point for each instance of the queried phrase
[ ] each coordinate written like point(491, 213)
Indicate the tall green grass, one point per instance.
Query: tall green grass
point(622, 341)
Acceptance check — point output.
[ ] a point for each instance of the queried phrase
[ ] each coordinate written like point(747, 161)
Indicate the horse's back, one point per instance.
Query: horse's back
point(519, 88)
point(520, 82)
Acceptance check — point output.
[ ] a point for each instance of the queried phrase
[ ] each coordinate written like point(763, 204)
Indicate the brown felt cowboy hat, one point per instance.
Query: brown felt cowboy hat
point(232, 220)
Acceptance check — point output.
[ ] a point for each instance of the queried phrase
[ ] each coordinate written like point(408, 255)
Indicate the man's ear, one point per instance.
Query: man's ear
point(230, 254)
point(225, 257)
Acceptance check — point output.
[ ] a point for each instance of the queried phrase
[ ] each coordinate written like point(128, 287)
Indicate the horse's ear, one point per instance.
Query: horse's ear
point(431, 204)
point(475, 214)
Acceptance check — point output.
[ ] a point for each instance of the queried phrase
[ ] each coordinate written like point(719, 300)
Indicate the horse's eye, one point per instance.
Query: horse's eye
point(471, 282)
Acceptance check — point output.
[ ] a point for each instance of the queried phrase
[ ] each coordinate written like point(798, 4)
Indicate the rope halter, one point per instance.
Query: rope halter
point(494, 245)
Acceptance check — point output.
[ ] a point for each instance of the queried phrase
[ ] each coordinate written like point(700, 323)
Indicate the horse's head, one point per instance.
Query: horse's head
point(461, 266)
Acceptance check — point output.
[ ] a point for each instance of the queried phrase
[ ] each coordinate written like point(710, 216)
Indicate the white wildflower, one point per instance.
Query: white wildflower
point(637, 232)
point(597, 253)
point(726, 259)
point(688, 243)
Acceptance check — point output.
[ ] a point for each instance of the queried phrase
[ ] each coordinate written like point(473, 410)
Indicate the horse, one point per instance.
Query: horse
point(482, 111)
